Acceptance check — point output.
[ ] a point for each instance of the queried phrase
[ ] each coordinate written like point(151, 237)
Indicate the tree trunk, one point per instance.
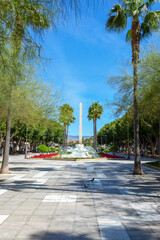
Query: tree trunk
point(153, 150)
point(1, 143)
point(159, 141)
point(95, 134)
point(5, 159)
point(26, 147)
point(1, 138)
point(67, 134)
point(135, 56)
point(64, 136)
point(128, 142)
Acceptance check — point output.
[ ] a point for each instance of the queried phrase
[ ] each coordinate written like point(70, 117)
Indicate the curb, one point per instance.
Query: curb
point(150, 166)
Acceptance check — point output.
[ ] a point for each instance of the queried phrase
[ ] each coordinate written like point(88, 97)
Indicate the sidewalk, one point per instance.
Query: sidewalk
point(44, 200)
point(143, 159)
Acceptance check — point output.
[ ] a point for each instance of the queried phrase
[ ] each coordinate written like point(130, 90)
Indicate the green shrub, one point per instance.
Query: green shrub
point(101, 149)
point(53, 149)
point(156, 163)
point(91, 153)
point(111, 149)
point(106, 150)
point(43, 149)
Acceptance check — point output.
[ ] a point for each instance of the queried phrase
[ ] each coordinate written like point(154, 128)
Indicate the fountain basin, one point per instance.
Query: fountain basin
point(80, 151)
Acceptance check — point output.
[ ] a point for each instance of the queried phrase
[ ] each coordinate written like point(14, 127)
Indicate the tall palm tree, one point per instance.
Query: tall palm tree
point(95, 111)
point(71, 120)
point(143, 23)
point(66, 117)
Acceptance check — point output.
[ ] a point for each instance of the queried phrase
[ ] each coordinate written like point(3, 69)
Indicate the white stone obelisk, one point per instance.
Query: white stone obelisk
point(80, 123)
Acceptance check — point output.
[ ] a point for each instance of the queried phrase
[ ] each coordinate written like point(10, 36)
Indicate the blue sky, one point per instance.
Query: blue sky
point(82, 56)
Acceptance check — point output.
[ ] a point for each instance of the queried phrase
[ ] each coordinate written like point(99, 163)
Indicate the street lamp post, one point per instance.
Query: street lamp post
point(113, 138)
point(128, 140)
point(26, 147)
point(106, 139)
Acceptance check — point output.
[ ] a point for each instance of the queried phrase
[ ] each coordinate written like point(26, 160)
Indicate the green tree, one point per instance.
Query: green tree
point(19, 21)
point(150, 95)
point(66, 117)
point(20, 18)
point(31, 102)
point(116, 132)
point(117, 21)
point(95, 111)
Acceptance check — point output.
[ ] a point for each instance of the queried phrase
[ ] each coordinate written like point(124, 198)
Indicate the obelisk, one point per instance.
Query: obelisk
point(80, 123)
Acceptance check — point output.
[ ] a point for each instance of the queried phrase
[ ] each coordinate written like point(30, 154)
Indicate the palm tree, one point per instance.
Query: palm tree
point(95, 111)
point(66, 117)
point(143, 23)
point(71, 120)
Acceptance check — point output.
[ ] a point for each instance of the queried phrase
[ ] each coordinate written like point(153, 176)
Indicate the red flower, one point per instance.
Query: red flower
point(109, 156)
point(45, 155)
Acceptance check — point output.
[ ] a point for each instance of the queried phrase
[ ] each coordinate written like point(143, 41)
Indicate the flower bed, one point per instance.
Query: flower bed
point(45, 155)
point(110, 156)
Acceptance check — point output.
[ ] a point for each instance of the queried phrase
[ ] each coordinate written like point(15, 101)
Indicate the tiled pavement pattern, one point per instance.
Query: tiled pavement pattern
point(46, 200)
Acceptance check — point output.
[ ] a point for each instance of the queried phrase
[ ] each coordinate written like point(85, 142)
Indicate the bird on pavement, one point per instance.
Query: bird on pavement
point(85, 186)
point(91, 180)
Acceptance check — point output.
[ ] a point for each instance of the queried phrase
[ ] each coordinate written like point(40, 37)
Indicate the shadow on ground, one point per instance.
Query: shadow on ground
point(60, 236)
point(141, 186)
point(135, 232)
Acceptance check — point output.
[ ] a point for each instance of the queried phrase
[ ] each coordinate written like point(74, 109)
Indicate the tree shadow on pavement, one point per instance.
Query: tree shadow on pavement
point(61, 236)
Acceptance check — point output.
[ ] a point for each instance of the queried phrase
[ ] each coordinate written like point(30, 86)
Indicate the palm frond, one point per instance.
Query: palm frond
point(117, 20)
point(150, 3)
point(150, 23)
point(95, 111)
point(129, 36)
point(116, 8)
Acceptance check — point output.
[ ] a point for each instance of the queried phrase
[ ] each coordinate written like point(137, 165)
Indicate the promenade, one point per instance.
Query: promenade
point(45, 200)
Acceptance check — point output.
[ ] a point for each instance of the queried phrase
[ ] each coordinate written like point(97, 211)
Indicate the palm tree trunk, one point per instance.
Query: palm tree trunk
point(135, 55)
point(67, 134)
point(64, 136)
point(95, 134)
point(128, 141)
point(4, 167)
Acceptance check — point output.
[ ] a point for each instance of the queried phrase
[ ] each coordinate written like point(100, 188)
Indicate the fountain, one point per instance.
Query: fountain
point(80, 151)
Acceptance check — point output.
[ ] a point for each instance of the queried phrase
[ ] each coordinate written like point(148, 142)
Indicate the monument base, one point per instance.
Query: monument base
point(80, 145)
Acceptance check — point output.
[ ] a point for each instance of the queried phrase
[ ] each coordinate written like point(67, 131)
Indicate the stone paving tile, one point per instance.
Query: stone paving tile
point(10, 230)
point(116, 205)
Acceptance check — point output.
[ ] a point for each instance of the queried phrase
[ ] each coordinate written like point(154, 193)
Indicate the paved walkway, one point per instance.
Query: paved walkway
point(44, 200)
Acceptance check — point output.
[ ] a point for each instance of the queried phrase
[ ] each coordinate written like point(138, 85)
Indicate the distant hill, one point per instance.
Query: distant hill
point(70, 137)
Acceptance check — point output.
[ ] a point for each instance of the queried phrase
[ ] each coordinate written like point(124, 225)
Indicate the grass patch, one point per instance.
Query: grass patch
point(91, 153)
point(156, 163)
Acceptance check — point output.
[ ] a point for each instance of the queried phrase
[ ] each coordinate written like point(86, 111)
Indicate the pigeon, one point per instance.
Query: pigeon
point(91, 180)
point(85, 186)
